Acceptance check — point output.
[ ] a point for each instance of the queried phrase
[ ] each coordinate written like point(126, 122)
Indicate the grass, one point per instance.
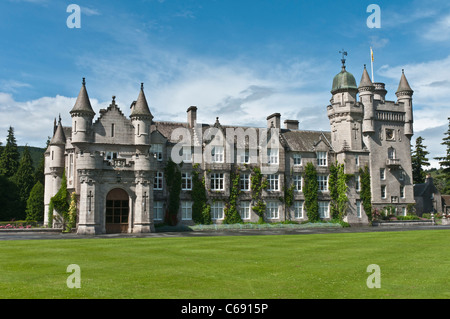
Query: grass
point(414, 264)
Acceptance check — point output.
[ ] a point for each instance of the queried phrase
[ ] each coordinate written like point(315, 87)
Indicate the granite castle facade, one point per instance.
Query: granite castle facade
point(116, 164)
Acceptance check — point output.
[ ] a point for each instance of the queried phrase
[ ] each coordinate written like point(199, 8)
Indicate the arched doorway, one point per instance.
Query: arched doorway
point(117, 211)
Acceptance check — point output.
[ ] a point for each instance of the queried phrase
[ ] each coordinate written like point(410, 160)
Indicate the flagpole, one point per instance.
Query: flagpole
point(371, 63)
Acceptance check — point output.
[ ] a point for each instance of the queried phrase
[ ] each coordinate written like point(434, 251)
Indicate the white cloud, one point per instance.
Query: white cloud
point(89, 11)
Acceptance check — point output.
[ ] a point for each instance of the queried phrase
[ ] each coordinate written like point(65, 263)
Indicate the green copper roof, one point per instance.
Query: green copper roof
point(344, 80)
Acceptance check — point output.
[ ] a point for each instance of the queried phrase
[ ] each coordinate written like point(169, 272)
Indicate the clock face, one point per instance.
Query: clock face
point(389, 134)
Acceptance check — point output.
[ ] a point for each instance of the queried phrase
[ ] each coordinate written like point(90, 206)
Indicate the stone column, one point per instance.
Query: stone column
point(88, 220)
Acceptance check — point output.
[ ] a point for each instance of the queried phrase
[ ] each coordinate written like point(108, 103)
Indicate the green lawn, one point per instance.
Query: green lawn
point(414, 264)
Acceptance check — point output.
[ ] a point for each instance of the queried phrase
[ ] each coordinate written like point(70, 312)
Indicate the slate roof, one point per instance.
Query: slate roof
point(82, 103)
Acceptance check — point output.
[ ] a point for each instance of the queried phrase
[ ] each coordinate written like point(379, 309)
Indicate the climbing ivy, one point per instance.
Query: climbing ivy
point(72, 213)
point(231, 211)
point(338, 191)
point(288, 198)
point(59, 202)
point(258, 184)
point(173, 182)
point(365, 193)
point(311, 193)
point(201, 210)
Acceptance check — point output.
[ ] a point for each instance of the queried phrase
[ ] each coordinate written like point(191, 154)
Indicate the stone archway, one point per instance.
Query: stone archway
point(117, 211)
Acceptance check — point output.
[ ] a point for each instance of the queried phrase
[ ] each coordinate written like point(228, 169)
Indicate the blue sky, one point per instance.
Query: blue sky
point(238, 60)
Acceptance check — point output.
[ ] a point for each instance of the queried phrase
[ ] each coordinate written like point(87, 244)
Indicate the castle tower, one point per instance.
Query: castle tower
point(141, 118)
point(404, 95)
point(82, 115)
point(345, 114)
point(366, 95)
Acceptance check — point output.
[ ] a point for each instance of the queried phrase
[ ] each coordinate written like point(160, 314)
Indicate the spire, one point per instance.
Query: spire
point(83, 105)
point(403, 86)
point(365, 79)
point(140, 108)
point(59, 138)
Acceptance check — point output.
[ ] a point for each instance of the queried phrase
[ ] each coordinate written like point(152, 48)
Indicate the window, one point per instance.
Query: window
point(272, 155)
point(402, 191)
point(358, 208)
point(403, 211)
point(158, 210)
point(110, 155)
point(216, 181)
point(217, 154)
point(187, 154)
point(157, 151)
point(158, 181)
point(357, 183)
point(272, 210)
point(401, 176)
point(390, 136)
point(324, 209)
point(186, 210)
point(297, 180)
point(70, 165)
point(112, 130)
point(297, 159)
point(272, 179)
point(382, 173)
point(323, 182)
point(244, 209)
point(186, 181)
point(217, 210)
point(383, 191)
point(357, 160)
point(298, 209)
point(244, 182)
point(391, 153)
point(322, 158)
point(243, 156)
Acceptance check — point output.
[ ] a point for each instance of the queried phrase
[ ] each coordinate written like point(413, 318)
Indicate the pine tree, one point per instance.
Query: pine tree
point(9, 160)
point(9, 200)
point(419, 160)
point(35, 203)
point(444, 161)
point(24, 177)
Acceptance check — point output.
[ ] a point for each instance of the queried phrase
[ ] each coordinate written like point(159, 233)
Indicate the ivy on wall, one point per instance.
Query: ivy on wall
point(338, 191)
point(311, 193)
point(366, 193)
point(231, 210)
point(258, 184)
point(201, 210)
point(59, 202)
point(173, 182)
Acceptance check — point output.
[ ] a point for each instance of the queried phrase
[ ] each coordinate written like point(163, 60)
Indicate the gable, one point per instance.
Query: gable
point(112, 127)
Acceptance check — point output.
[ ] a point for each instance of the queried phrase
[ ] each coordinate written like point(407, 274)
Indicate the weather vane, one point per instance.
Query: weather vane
point(344, 54)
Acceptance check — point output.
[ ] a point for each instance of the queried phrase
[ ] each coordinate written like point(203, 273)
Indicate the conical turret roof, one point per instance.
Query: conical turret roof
point(140, 108)
point(365, 79)
point(59, 138)
point(83, 105)
point(403, 86)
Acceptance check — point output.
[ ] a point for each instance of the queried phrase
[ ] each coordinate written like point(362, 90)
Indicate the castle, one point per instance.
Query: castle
point(116, 164)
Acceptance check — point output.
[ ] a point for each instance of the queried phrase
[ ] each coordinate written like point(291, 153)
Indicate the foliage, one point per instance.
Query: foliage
point(419, 159)
point(24, 177)
point(35, 203)
point(444, 161)
point(9, 160)
point(201, 210)
point(9, 200)
point(60, 202)
point(338, 191)
point(365, 193)
point(258, 184)
point(173, 181)
point(231, 210)
point(72, 213)
point(411, 210)
point(311, 193)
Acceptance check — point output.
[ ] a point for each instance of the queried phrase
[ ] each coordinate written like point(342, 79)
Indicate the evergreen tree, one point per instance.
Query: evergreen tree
point(419, 159)
point(9, 160)
point(35, 203)
point(24, 177)
point(9, 200)
point(444, 161)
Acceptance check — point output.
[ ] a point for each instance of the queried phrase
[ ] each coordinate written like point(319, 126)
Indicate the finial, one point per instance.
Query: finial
point(344, 53)
point(142, 86)
point(84, 81)
point(59, 121)
point(403, 71)
point(113, 99)
point(364, 66)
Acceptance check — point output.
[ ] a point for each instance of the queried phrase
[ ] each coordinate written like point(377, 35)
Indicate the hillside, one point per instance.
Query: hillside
point(35, 152)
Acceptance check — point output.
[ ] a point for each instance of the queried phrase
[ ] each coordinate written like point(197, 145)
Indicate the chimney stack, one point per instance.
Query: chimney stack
point(291, 124)
point(274, 120)
point(192, 116)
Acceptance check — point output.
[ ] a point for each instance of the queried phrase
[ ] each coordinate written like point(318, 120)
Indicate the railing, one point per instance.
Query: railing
point(393, 162)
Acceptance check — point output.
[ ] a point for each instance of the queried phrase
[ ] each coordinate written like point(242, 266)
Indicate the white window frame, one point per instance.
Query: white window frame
point(297, 159)
point(186, 181)
point(158, 181)
point(322, 159)
point(324, 209)
point(158, 210)
point(217, 154)
point(186, 210)
point(383, 191)
point(217, 181)
point(358, 208)
point(273, 182)
point(357, 183)
point(187, 154)
point(402, 191)
point(272, 210)
point(157, 149)
point(244, 209)
point(382, 174)
point(217, 210)
point(322, 181)
point(298, 209)
point(297, 180)
point(243, 156)
point(272, 155)
point(244, 182)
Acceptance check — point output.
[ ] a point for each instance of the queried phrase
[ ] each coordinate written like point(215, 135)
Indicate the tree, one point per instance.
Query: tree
point(419, 159)
point(9, 199)
point(35, 203)
point(24, 177)
point(311, 193)
point(9, 160)
point(444, 161)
